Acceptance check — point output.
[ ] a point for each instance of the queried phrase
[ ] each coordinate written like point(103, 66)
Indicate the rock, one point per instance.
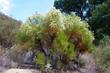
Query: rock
point(90, 66)
point(28, 58)
point(17, 53)
point(5, 60)
point(2, 69)
point(14, 64)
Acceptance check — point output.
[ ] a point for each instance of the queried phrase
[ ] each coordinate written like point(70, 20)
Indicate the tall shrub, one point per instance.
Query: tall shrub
point(58, 39)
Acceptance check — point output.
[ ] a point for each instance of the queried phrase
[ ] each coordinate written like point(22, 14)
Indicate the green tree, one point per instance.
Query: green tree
point(78, 6)
point(100, 20)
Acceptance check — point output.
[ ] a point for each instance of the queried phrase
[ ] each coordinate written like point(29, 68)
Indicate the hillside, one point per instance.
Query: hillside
point(8, 28)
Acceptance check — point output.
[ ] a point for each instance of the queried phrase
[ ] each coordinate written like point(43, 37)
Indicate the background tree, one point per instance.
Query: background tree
point(82, 8)
point(100, 20)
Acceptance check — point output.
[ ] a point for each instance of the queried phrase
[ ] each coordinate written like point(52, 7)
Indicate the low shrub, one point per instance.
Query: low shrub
point(102, 54)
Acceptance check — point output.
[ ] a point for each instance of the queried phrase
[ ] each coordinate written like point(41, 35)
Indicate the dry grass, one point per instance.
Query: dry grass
point(2, 50)
point(102, 55)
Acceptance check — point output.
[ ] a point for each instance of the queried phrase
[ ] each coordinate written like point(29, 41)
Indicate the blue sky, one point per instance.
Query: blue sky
point(21, 9)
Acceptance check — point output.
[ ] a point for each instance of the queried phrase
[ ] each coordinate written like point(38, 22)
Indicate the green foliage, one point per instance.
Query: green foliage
point(59, 38)
point(27, 34)
point(70, 52)
point(53, 18)
point(78, 30)
point(61, 42)
point(40, 60)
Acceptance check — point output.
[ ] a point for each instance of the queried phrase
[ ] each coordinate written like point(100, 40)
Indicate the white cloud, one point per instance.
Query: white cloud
point(5, 6)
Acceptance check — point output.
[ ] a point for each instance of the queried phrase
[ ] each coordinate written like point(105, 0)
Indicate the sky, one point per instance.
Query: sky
point(21, 9)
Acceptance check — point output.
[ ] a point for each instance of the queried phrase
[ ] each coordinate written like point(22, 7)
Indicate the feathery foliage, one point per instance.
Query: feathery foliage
point(58, 39)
